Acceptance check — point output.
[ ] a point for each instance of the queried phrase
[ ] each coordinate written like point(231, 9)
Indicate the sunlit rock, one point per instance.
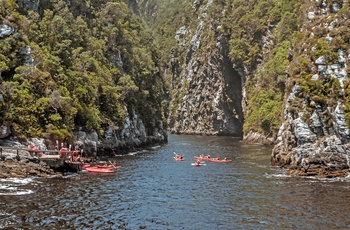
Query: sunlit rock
point(6, 30)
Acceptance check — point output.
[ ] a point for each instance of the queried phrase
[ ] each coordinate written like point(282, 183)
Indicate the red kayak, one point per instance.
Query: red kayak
point(99, 170)
point(218, 160)
point(108, 166)
point(179, 158)
point(202, 158)
point(84, 166)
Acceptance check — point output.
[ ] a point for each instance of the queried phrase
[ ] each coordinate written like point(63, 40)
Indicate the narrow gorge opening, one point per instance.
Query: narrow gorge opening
point(232, 104)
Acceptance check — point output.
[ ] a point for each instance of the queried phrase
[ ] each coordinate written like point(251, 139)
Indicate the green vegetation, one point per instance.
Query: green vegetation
point(243, 24)
point(94, 61)
point(164, 22)
point(246, 23)
point(76, 81)
point(265, 102)
point(347, 101)
point(264, 41)
point(326, 91)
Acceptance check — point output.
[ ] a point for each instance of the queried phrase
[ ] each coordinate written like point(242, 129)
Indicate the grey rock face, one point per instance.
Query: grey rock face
point(318, 145)
point(6, 30)
point(5, 132)
point(26, 51)
point(340, 126)
point(304, 147)
point(181, 36)
point(211, 103)
point(131, 135)
point(29, 4)
point(38, 142)
point(209, 93)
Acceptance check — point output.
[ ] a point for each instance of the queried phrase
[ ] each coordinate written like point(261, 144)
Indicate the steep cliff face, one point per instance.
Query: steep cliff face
point(207, 100)
point(119, 140)
point(273, 62)
point(228, 68)
point(314, 137)
point(207, 90)
point(238, 68)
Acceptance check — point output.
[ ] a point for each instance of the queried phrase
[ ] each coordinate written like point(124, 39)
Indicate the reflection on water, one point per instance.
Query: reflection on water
point(152, 191)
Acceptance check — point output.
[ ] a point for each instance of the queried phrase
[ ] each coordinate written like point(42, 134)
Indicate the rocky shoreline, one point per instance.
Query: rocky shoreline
point(26, 168)
point(318, 173)
point(321, 165)
point(25, 165)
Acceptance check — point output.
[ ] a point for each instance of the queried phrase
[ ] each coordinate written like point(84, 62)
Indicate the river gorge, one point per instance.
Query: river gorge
point(153, 191)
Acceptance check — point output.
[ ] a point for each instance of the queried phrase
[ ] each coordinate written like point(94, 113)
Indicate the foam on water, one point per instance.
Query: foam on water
point(11, 186)
point(18, 180)
point(138, 152)
point(335, 179)
point(17, 192)
point(280, 175)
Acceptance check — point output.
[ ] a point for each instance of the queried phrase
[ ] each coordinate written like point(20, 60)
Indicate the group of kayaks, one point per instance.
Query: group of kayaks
point(200, 159)
point(178, 157)
point(210, 159)
point(100, 168)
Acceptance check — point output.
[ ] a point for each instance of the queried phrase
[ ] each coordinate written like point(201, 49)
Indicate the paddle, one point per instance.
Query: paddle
point(200, 164)
point(114, 165)
point(178, 155)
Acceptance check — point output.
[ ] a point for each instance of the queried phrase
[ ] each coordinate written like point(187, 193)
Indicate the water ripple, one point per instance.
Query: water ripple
point(152, 191)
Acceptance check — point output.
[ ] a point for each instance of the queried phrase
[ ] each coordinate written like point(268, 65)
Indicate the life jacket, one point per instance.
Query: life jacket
point(63, 152)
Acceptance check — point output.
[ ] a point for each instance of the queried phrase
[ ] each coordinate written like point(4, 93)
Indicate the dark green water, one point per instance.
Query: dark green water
point(152, 191)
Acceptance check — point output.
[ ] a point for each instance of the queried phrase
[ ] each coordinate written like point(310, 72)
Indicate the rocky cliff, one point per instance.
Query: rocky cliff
point(314, 137)
point(131, 136)
point(271, 72)
point(274, 72)
point(207, 89)
point(224, 80)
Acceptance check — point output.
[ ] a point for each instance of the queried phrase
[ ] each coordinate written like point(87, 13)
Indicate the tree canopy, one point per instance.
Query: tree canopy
point(91, 63)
